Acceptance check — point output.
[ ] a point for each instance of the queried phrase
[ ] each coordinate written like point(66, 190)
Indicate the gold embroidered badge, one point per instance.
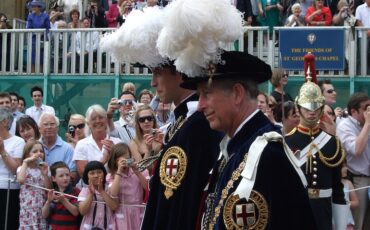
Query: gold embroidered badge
point(242, 214)
point(172, 169)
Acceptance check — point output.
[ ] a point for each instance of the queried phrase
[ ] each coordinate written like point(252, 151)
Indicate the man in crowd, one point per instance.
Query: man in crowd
point(354, 134)
point(246, 189)
point(330, 95)
point(38, 107)
point(14, 105)
point(124, 127)
point(54, 147)
point(319, 154)
point(190, 147)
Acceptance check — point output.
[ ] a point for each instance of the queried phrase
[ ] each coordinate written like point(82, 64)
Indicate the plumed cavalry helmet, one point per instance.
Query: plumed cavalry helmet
point(310, 96)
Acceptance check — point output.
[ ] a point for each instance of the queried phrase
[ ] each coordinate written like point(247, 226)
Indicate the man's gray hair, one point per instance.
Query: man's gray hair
point(6, 114)
point(43, 115)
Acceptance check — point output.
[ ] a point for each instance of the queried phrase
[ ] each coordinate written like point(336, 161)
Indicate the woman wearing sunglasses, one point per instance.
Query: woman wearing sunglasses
point(145, 124)
point(76, 129)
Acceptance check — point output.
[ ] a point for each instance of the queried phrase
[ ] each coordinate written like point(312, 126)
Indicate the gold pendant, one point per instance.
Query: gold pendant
point(172, 169)
point(168, 193)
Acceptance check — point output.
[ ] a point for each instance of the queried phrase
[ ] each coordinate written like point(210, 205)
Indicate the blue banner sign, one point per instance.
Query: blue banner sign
point(326, 45)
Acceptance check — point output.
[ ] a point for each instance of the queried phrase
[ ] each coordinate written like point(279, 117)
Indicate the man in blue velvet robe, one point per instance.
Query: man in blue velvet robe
point(256, 184)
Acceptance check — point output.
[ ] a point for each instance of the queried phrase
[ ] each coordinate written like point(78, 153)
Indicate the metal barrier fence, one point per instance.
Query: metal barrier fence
point(76, 51)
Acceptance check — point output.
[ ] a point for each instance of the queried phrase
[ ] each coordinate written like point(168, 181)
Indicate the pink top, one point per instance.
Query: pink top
point(87, 220)
point(130, 192)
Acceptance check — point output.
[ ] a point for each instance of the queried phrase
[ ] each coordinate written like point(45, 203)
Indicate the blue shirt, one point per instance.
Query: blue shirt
point(60, 151)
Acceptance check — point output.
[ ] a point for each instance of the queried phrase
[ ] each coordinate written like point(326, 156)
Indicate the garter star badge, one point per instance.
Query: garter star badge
point(242, 214)
point(172, 169)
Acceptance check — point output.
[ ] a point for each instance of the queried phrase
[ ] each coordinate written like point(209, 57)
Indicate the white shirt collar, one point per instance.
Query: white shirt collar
point(245, 121)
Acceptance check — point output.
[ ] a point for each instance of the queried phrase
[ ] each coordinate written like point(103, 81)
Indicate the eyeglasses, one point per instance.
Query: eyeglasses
point(330, 91)
point(146, 118)
point(79, 126)
point(286, 75)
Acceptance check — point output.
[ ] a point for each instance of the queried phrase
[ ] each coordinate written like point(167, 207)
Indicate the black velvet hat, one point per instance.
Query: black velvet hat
point(234, 65)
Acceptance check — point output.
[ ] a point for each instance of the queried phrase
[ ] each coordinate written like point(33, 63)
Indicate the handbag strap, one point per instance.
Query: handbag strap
point(94, 213)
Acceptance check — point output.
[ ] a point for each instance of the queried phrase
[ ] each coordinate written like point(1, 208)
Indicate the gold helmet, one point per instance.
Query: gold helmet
point(310, 96)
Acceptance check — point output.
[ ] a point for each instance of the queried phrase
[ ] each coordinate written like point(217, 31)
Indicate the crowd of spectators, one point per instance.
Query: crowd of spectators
point(91, 142)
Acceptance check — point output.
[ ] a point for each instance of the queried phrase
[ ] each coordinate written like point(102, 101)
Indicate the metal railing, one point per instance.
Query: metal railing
point(75, 52)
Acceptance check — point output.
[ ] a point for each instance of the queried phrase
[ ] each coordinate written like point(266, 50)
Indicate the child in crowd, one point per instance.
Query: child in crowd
point(350, 196)
point(32, 171)
point(126, 182)
point(60, 210)
point(95, 204)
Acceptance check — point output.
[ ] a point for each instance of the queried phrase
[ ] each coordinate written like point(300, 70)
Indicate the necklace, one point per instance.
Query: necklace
point(230, 184)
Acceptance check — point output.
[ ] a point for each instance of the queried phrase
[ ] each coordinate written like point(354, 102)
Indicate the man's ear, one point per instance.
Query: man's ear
point(239, 93)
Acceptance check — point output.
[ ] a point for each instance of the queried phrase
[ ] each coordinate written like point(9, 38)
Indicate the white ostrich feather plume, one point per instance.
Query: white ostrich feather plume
point(135, 40)
point(195, 30)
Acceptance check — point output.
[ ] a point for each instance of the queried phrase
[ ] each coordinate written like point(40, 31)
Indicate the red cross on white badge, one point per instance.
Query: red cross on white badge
point(171, 166)
point(245, 214)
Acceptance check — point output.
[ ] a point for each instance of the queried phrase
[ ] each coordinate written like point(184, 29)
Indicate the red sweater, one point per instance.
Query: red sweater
point(325, 16)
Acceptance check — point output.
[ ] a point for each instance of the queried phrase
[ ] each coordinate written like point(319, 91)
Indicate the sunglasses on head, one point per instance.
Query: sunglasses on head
point(79, 126)
point(330, 91)
point(146, 118)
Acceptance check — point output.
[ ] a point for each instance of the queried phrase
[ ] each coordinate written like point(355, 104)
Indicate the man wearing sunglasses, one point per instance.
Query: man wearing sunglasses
point(124, 127)
point(354, 133)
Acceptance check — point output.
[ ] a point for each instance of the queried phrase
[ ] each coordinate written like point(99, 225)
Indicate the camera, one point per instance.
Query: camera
point(40, 162)
point(71, 130)
point(129, 162)
point(153, 131)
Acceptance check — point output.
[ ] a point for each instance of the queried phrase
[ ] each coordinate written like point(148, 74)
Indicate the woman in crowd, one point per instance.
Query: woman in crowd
point(96, 146)
point(113, 14)
point(75, 19)
point(37, 19)
point(145, 97)
point(11, 151)
point(124, 9)
point(318, 14)
point(145, 123)
point(76, 129)
point(27, 128)
point(279, 79)
point(21, 104)
point(295, 19)
point(327, 121)
point(287, 114)
point(262, 102)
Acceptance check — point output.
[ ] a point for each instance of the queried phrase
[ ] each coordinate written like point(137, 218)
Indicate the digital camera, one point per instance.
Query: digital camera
point(71, 130)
